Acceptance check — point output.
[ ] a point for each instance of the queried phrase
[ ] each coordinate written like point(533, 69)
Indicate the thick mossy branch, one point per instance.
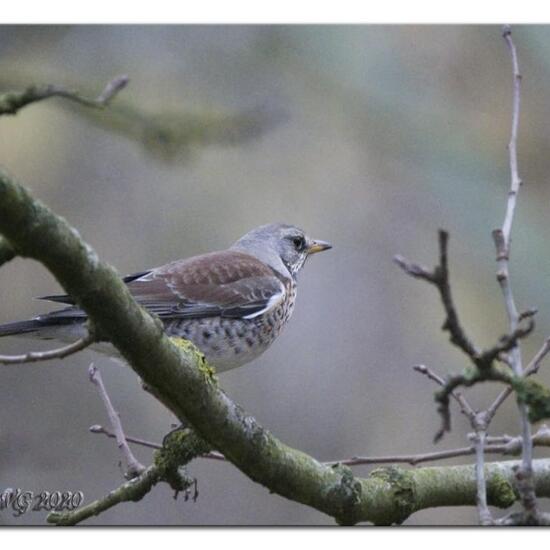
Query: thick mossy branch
point(179, 448)
point(177, 375)
point(187, 346)
point(536, 396)
point(131, 491)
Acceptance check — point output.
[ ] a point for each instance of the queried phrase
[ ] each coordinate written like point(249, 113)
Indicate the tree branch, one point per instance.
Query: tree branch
point(502, 239)
point(59, 353)
point(439, 277)
point(465, 407)
point(505, 445)
point(508, 446)
point(169, 135)
point(135, 468)
point(131, 491)
point(12, 102)
point(179, 449)
point(481, 496)
point(532, 368)
point(97, 429)
point(483, 361)
point(179, 375)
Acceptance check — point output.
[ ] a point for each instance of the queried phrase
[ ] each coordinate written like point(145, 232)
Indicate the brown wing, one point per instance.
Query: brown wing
point(226, 284)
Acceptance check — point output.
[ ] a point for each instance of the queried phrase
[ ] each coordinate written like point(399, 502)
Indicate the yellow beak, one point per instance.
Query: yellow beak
point(318, 246)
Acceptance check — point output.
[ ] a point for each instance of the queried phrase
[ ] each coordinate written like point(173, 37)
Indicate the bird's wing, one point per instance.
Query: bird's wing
point(227, 284)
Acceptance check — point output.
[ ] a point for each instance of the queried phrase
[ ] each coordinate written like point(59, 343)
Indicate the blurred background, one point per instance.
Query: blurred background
point(371, 137)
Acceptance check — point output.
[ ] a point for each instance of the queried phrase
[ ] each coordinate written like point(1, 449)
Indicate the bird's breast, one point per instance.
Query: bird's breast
point(230, 343)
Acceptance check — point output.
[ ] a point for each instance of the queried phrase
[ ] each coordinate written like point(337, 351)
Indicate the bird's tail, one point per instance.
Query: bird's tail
point(20, 327)
point(54, 324)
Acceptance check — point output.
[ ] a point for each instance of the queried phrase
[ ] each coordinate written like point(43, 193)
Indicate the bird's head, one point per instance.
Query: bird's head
point(281, 246)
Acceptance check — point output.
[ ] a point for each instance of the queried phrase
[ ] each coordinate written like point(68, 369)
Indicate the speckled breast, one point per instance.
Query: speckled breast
point(230, 343)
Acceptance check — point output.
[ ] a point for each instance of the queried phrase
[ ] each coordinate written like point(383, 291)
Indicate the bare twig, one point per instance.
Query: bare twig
point(505, 445)
point(465, 407)
point(109, 92)
point(11, 102)
point(97, 429)
point(135, 468)
point(507, 343)
point(415, 459)
point(502, 396)
point(512, 146)
point(440, 278)
point(502, 238)
point(477, 420)
point(482, 360)
point(59, 353)
point(485, 517)
point(534, 365)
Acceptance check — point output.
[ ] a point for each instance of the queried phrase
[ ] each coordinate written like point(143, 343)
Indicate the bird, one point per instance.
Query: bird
point(232, 304)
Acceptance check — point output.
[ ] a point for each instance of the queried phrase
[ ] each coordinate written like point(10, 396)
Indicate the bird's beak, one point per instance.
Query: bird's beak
point(318, 246)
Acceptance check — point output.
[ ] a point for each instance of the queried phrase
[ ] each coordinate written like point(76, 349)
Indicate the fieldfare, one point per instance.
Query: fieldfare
point(232, 304)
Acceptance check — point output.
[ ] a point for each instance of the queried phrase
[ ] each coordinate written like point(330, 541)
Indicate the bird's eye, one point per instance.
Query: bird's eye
point(299, 243)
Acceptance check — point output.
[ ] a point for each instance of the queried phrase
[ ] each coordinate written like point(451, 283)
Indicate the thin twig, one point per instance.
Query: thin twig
point(535, 363)
point(135, 468)
point(413, 460)
point(440, 278)
point(502, 396)
point(485, 517)
point(483, 360)
point(478, 422)
point(465, 407)
point(505, 445)
point(502, 238)
point(59, 353)
point(97, 429)
point(11, 102)
point(166, 468)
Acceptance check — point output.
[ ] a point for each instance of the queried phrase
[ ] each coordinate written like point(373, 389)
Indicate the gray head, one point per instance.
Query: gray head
point(283, 247)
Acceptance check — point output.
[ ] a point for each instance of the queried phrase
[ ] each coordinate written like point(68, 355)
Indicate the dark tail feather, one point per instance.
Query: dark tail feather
point(66, 299)
point(20, 327)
